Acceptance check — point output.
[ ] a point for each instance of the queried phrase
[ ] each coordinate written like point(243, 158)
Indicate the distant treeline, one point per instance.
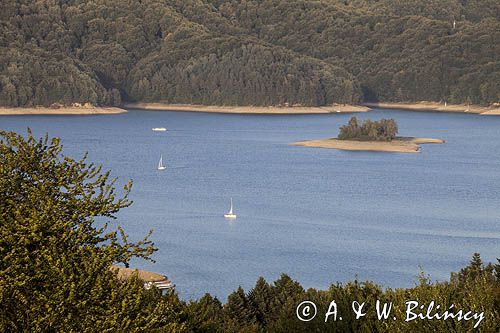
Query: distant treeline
point(237, 52)
point(381, 130)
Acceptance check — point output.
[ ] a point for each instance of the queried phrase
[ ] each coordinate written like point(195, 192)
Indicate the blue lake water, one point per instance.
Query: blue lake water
point(319, 215)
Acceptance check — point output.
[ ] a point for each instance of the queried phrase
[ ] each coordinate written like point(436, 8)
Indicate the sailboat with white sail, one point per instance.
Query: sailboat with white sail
point(230, 214)
point(160, 164)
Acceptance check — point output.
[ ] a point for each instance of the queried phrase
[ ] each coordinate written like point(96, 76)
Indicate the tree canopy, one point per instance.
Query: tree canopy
point(54, 258)
point(248, 52)
point(381, 130)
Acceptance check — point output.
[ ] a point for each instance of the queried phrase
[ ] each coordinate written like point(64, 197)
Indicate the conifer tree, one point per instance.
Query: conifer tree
point(239, 312)
point(260, 297)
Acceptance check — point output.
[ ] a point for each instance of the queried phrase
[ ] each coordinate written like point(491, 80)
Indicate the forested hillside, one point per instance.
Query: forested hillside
point(255, 52)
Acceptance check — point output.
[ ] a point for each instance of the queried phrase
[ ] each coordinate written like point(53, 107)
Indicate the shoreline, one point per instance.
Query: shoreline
point(398, 145)
point(260, 110)
point(70, 110)
point(284, 110)
point(437, 107)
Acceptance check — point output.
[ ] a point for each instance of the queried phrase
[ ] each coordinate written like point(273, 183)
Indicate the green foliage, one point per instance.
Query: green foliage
point(261, 299)
point(382, 130)
point(239, 314)
point(248, 52)
point(475, 288)
point(205, 315)
point(54, 260)
point(396, 50)
point(249, 74)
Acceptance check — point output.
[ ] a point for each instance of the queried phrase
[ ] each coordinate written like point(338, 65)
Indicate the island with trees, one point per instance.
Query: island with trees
point(370, 136)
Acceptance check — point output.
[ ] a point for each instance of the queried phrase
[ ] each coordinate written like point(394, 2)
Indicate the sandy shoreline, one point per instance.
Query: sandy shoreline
point(60, 111)
point(276, 110)
point(438, 107)
point(399, 145)
point(249, 109)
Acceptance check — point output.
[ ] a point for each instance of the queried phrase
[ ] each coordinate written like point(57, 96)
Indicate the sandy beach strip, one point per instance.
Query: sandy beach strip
point(249, 109)
point(492, 112)
point(399, 145)
point(437, 107)
point(60, 111)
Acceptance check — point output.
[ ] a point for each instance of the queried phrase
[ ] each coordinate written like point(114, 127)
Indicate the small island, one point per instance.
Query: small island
point(370, 136)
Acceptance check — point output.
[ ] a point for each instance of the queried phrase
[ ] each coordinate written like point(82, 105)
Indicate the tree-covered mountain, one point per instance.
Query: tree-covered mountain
point(248, 52)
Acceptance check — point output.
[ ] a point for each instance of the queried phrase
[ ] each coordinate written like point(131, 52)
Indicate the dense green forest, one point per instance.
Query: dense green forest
point(249, 52)
point(55, 267)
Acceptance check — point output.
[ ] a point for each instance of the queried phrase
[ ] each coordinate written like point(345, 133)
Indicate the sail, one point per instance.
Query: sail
point(160, 163)
point(230, 214)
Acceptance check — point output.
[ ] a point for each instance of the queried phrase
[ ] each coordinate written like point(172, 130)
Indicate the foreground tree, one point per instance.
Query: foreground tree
point(54, 259)
point(475, 288)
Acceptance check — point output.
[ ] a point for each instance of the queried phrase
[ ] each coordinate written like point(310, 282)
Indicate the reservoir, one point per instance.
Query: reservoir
point(318, 215)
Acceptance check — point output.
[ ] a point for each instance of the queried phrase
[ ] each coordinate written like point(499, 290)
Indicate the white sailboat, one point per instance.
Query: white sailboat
point(160, 164)
point(230, 214)
point(159, 129)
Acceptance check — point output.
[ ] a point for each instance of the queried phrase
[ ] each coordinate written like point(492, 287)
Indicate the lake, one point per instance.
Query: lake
point(319, 215)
